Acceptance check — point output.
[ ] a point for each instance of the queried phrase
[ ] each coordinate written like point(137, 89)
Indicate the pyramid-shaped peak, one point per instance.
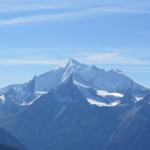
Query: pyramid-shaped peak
point(73, 62)
point(72, 67)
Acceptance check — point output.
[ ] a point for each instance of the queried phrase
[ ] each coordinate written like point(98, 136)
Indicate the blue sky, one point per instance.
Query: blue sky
point(38, 35)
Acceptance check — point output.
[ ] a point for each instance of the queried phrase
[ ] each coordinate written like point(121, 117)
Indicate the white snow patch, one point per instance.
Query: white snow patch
point(102, 104)
point(2, 98)
point(41, 92)
point(138, 99)
point(104, 93)
point(27, 104)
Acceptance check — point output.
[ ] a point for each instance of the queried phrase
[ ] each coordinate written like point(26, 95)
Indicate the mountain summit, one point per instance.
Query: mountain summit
point(83, 75)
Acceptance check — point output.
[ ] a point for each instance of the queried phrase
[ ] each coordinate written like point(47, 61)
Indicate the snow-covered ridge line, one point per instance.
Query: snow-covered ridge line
point(68, 71)
point(79, 84)
point(103, 104)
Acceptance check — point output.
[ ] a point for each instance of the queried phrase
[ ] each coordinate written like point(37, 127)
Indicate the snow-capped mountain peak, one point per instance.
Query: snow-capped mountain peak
point(89, 79)
point(73, 62)
point(72, 67)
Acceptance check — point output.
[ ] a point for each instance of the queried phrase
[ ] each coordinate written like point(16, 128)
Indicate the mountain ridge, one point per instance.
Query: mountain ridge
point(112, 81)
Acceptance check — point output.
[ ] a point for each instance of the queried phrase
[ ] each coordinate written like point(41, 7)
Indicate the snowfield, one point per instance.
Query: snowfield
point(102, 104)
point(106, 93)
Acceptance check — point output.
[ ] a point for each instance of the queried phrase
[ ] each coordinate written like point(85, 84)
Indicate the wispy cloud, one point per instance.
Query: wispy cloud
point(111, 58)
point(51, 61)
point(28, 19)
point(71, 12)
point(104, 58)
point(13, 8)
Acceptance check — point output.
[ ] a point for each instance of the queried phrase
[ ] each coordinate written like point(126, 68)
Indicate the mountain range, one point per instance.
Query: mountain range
point(78, 107)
